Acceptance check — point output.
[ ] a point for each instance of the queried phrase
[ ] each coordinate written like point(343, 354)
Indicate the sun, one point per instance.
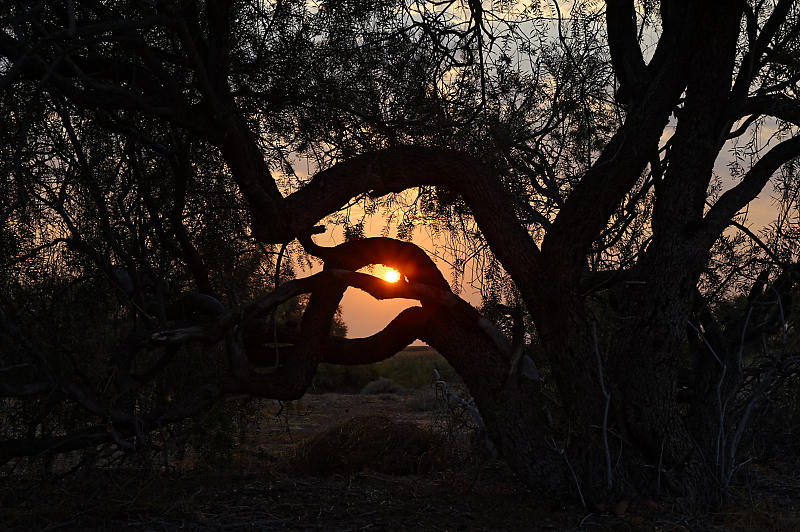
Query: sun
point(391, 276)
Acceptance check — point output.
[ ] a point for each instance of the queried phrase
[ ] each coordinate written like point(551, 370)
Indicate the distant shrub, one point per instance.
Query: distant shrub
point(412, 368)
point(331, 378)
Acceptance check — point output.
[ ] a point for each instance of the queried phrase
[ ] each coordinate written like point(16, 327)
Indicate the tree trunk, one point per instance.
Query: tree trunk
point(517, 414)
point(619, 428)
point(646, 352)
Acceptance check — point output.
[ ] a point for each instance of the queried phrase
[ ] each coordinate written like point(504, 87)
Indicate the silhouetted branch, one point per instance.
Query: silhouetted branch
point(720, 214)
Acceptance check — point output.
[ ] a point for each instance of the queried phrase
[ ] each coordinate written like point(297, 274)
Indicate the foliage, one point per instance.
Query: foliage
point(410, 369)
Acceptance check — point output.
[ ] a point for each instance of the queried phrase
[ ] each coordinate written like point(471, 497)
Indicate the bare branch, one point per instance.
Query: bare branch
point(726, 207)
point(57, 444)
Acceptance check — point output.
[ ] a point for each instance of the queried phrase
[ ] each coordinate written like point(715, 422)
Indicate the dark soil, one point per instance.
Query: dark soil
point(261, 489)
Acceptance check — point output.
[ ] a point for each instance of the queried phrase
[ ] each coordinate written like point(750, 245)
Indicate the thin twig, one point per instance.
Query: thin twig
point(563, 453)
point(705, 341)
point(780, 309)
point(609, 477)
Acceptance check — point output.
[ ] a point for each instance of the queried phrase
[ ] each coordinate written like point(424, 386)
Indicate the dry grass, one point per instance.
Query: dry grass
point(373, 443)
point(309, 470)
point(382, 386)
point(372, 488)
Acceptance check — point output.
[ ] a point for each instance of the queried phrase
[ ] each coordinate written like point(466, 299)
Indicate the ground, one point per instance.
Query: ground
point(262, 487)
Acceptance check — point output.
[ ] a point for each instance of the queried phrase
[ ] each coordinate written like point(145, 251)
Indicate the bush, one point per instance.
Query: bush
point(382, 386)
point(331, 378)
point(376, 443)
point(412, 368)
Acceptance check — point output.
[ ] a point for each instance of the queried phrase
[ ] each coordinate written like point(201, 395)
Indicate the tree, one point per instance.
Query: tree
point(132, 123)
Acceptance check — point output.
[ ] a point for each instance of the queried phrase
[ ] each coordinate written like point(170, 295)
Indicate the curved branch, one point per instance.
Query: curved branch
point(376, 287)
point(720, 214)
point(57, 444)
point(406, 257)
point(397, 169)
point(400, 332)
point(291, 380)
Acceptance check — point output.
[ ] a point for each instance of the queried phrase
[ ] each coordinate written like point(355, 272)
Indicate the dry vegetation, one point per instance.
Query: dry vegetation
point(342, 461)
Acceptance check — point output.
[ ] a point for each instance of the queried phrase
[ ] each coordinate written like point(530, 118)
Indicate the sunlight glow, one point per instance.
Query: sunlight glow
point(391, 276)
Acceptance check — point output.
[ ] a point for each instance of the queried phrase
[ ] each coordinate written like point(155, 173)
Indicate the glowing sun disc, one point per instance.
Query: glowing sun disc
point(391, 276)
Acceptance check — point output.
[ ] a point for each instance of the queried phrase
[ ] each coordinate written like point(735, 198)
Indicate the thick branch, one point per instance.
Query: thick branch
point(773, 24)
point(701, 129)
point(399, 333)
point(777, 106)
point(752, 183)
point(626, 55)
point(406, 257)
point(602, 188)
point(397, 169)
point(58, 444)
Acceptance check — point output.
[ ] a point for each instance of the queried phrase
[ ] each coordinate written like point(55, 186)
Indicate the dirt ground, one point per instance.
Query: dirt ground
point(316, 412)
point(260, 492)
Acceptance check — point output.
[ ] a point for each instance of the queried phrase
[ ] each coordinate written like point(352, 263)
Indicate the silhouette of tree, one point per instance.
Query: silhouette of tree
point(151, 149)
